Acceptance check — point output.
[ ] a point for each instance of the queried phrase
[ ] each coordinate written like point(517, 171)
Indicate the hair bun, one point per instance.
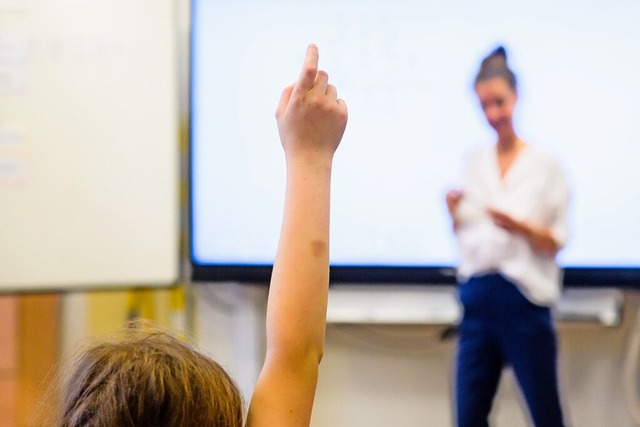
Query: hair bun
point(500, 51)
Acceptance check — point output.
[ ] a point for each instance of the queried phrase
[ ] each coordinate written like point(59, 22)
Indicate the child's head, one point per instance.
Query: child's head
point(147, 378)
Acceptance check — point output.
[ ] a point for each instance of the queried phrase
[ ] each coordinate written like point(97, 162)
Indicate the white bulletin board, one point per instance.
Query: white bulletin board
point(89, 155)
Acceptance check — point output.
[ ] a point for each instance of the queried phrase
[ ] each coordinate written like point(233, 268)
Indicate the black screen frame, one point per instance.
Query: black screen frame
point(589, 277)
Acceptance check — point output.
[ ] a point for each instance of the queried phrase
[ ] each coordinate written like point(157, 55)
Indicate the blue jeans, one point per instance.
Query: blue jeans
point(502, 327)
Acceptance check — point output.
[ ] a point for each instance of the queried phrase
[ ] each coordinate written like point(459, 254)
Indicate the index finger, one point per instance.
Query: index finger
point(309, 68)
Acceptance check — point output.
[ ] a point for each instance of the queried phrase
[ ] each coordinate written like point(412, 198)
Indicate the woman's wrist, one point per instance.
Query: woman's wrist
point(527, 231)
point(540, 239)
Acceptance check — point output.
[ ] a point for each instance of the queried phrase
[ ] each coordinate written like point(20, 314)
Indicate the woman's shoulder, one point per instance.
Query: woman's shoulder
point(541, 155)
point(543, 159)
point(481, 153)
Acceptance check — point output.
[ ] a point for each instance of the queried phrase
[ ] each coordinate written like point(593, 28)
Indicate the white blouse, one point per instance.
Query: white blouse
point(533, 190)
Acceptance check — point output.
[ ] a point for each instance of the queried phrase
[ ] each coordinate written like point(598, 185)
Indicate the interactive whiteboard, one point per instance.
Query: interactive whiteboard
point(406, 69)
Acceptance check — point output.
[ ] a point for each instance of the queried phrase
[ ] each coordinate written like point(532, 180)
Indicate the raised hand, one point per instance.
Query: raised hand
point(311, 118)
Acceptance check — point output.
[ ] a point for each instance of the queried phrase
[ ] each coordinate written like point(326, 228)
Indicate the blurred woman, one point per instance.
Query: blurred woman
point(510, 221)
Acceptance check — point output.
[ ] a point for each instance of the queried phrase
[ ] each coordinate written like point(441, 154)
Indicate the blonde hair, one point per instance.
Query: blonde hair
point(147, 377)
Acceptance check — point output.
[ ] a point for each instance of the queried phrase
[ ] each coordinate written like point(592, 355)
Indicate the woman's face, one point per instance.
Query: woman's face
point(498, 101)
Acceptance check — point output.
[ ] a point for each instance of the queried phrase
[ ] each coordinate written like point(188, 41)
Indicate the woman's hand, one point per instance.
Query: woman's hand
point(506, 222)
point(453, 198)
point(540, 239)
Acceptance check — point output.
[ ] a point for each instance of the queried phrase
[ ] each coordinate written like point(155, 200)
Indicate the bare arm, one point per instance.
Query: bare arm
point(541, 239)
point(311, 122)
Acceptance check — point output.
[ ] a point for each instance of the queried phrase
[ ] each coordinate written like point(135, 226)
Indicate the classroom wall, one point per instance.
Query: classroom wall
point(400, 375)
point(29, 343)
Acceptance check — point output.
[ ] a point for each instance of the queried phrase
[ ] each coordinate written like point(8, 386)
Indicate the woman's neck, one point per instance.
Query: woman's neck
point(508, 148)
point(509, 142)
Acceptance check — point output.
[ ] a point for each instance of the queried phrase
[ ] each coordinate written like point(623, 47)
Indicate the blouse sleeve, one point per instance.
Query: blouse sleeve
point(558, 205)
point(471, 207)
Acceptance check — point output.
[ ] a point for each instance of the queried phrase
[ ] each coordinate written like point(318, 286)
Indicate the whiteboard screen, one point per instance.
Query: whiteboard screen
point(88, 144)
point(405, 69)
